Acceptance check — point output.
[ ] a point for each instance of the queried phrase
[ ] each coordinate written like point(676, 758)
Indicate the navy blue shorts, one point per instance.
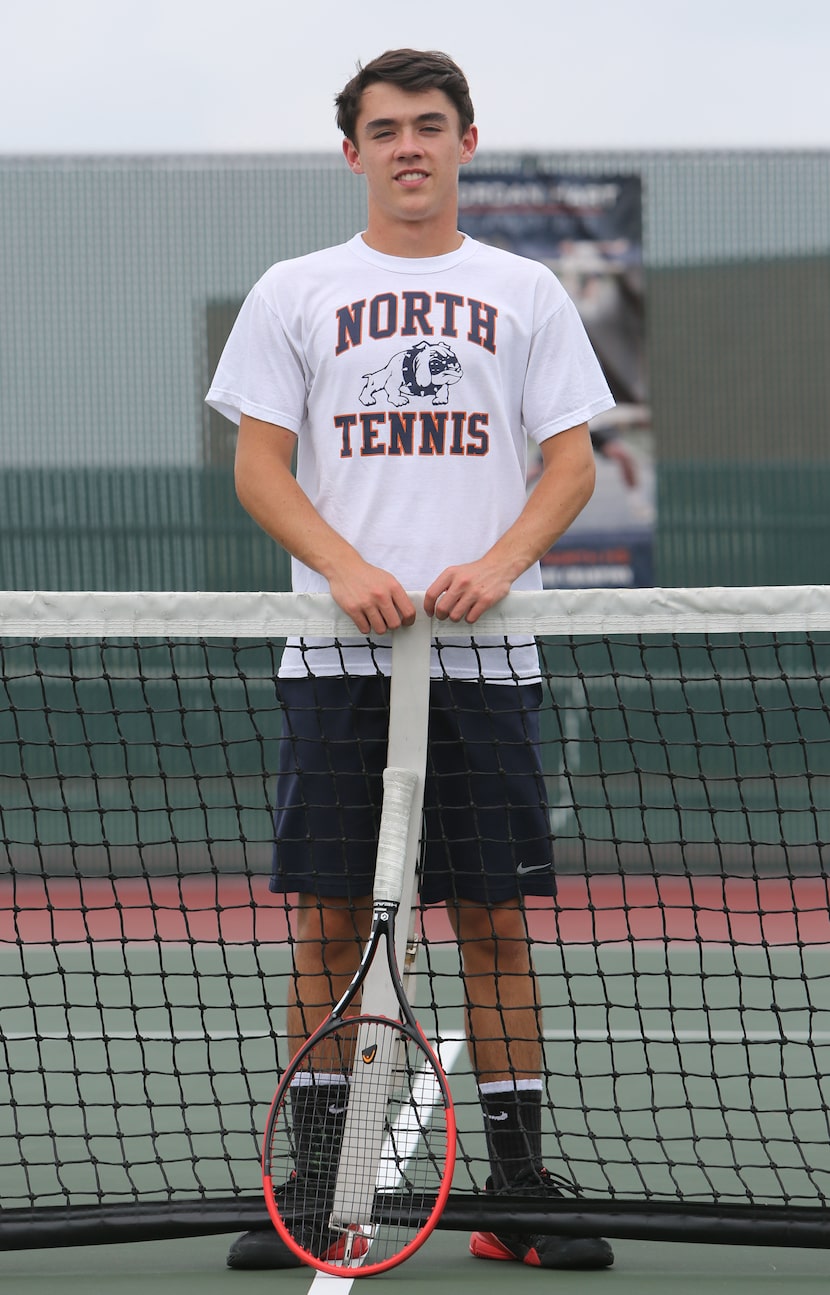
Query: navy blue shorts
point(486, 827)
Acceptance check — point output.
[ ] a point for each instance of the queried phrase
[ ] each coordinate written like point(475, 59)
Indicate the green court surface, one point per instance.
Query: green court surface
point(674, 1070)
point(187, 1267)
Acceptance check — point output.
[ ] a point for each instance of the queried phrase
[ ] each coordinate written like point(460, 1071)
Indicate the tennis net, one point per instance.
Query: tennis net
point(683, 965)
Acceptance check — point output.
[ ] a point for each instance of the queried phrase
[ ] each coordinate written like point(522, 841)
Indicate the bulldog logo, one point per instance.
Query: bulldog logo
point(428, 369)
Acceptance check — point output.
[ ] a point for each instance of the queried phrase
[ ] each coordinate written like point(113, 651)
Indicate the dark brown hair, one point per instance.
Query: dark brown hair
point(412, 70)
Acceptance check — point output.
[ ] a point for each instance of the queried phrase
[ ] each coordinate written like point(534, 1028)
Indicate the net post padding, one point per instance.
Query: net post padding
point(121, 1224)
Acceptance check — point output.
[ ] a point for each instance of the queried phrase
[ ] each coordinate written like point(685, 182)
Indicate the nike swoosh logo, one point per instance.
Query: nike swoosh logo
point(523, 869)
point(337, 1110)
point(501, 1116)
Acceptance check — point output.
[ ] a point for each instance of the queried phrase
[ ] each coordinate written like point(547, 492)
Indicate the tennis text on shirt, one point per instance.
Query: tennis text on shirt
point(423, 370)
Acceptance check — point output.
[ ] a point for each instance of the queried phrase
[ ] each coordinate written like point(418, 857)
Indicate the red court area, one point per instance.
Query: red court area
point(237, 910)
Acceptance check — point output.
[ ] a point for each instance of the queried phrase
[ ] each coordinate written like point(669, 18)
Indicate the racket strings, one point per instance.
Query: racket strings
point(376, 1180)
point(318, 1118)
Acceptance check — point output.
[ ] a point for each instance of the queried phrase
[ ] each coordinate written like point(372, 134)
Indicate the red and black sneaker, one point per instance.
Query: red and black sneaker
point(542, 1250)
point(306, 1217)
point(265, 1249)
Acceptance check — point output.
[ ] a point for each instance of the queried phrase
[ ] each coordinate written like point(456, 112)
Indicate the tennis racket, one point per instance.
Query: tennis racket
point(359, 1147)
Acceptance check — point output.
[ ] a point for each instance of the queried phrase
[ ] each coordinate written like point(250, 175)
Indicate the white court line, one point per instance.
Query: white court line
point(131, 1036)
point(820, 1038)
point(328, 1282)
point(404, 1137)
point(448, 1051)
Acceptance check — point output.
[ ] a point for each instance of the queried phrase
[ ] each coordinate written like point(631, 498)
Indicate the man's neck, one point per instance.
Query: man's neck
point(411, 240)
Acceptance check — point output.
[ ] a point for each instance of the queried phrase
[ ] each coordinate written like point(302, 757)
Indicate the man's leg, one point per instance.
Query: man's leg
point(503, 1012)
point(505, 1043)
point(328, 937)
point(327, 806)
point(504, 1031)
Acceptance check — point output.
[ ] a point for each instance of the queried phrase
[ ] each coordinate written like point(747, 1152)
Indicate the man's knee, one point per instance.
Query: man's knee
point(329, 932)
point(492, 937)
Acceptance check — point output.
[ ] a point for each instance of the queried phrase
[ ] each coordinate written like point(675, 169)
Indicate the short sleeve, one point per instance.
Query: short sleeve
point(260, 372)
point(564, 384)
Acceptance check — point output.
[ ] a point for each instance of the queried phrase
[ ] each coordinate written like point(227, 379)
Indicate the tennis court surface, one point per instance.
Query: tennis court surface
point(182, 1267)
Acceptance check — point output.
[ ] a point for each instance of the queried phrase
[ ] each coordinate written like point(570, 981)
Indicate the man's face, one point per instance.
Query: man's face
point(409, 147)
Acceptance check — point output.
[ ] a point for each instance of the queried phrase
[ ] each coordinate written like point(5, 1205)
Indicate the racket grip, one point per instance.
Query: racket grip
point(398, 794)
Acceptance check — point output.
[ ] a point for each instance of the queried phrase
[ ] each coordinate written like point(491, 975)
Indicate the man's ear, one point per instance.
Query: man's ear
point(352, 157)
point(469, 144)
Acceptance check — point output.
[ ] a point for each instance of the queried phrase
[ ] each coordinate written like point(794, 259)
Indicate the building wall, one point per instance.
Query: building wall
point(121, 277)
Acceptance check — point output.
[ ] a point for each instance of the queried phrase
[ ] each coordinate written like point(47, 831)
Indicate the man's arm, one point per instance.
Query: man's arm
point(267, 489)
point(563, 490)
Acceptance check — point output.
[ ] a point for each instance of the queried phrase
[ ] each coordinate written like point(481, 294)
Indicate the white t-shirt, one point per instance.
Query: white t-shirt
point(412, 386)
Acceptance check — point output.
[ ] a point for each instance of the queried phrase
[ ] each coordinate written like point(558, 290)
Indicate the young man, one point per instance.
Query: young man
point(407, 369)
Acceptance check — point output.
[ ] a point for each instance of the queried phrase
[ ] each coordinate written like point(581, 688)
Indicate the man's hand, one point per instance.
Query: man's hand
point(372, 597)
point(269, 491)
point(465, 592)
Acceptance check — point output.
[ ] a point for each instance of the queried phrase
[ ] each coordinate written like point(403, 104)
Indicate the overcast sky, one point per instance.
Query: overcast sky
point(218, 76)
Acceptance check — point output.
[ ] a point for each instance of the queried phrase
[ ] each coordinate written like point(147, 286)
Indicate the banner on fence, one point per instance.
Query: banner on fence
point(588, 229)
